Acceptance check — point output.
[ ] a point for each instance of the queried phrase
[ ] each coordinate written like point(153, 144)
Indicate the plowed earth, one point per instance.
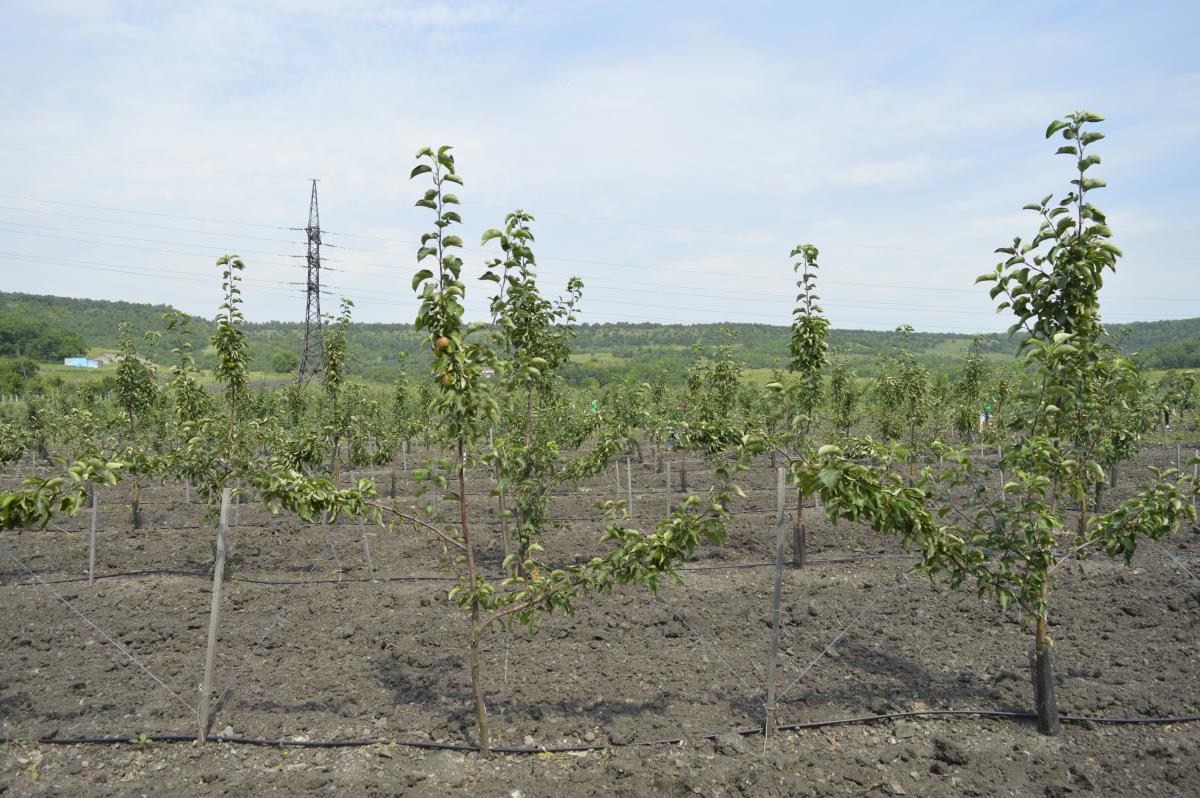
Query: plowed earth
point(344, 657)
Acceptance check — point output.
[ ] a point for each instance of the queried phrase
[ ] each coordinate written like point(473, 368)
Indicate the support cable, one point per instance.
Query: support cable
point(124, 651)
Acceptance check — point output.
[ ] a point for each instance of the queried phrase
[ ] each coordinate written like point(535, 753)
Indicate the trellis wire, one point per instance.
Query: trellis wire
point(124, 651)
point(870, 606)
point(711, 648)
point(262, 638)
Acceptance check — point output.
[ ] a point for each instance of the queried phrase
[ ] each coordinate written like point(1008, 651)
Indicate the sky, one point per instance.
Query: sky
point(671, 153)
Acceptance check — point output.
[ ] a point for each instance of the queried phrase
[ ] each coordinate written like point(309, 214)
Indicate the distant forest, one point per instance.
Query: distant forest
point(603, 352)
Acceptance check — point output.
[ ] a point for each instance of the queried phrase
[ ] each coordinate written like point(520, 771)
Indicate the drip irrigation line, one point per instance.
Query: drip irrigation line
point(819, 561)
point(116, 575)
point(1176, 556)
point(98, 630)
point(730, 567)
point(413, 578)
point(132, 739)
point(987, 713)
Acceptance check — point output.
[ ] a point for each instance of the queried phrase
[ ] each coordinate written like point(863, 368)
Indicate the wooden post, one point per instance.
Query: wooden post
point(775, 612)
point(628, 488)
point(214, 615)
point(362, 528)
point(92, 537)
point(657, 460)
point(683, 475)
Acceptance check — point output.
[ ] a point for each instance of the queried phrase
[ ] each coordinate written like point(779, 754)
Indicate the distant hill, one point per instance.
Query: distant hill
point(602, 351)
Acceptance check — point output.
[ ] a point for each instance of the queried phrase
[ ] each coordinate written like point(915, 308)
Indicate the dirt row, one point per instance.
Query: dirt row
point(385, 660)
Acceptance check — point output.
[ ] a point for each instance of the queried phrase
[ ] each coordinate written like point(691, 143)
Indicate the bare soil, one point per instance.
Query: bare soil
point(344, 658)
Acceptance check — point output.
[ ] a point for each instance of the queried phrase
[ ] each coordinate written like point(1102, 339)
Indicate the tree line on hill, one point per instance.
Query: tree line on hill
point(42, 328)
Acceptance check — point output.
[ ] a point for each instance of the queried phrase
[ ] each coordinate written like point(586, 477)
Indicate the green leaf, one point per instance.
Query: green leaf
point(1054, 127)
point(420, 169)
point(420, 277)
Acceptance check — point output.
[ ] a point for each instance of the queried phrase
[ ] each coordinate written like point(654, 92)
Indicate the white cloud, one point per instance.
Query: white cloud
point(710, 151)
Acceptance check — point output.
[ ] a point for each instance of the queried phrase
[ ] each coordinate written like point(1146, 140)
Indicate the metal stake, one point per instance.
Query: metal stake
point(775, 613)
point(214, 616)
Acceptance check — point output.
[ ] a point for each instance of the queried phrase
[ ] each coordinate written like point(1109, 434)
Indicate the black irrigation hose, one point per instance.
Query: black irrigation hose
point(116, 575)
point(413, 578)
point(410, 578)
point(467, 747)
point(986, 713)
point(440, 578)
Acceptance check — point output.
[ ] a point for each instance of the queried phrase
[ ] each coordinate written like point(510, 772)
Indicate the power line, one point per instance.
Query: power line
point(194, 278)
point(741, 275)
point(147, 213)
point(135, 238)
point(271, 288)
point(148, 224)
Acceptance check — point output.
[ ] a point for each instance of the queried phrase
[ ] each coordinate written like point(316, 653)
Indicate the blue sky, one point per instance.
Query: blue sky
point(673, 153)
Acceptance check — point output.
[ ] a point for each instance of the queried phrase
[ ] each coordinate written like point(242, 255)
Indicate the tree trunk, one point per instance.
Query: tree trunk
point(477, 686)
point(485, 748)
point(136, 505)
point(1043, 683)
point(504, 533)
point(799, 535)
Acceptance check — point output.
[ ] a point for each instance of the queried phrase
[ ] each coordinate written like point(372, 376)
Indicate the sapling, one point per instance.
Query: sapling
point(333, 378)
point(532, 333)
point(1014, 546)
point(808, 350)
point(844, 396)
point(971, 406)
point(465, 406)
point(136, 393)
